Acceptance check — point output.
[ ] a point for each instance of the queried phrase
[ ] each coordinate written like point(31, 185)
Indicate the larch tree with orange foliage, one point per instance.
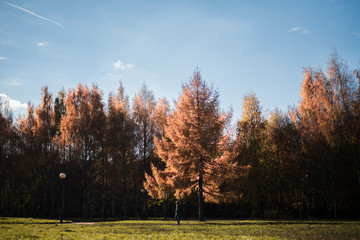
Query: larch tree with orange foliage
point(28, 178)
point(316, 133)
point(288, 168)
point(120, 142)
point(325, 111)
point(6, 139)
point(251, 142)
point(156, 183)
point(355, 129)
point(43, 129)
point(82, 130)
point(143, 116)
point(195, 146)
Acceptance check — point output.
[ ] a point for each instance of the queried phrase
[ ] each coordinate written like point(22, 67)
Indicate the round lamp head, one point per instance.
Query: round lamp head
point(62, 175)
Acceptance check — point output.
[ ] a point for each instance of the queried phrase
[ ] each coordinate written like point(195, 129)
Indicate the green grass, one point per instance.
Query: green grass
point(27, 228)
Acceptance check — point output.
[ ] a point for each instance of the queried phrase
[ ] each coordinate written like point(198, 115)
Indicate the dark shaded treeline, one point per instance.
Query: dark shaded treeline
point(303, 163)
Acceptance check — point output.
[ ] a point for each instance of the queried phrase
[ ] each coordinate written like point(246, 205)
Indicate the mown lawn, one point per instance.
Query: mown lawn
point(27, 228)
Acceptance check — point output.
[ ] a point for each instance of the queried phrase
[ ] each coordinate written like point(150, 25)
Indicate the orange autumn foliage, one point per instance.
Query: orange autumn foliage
point(196, 149)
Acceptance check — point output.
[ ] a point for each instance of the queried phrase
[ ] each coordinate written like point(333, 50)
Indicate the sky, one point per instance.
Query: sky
point(240, 47)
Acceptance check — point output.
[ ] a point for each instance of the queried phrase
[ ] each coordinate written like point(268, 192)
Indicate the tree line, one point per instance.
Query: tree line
point(134, 158)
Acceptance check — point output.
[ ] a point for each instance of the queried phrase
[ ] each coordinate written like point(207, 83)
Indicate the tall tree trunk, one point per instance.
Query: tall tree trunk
point(45, 181)
point(112, 205)
point(201, 196)
point(52, 203)
point(124, 200)
point(201, 202)
point(62, 215)
point(45, 213)
point(201, 199)
point(333, 193)
point(165, 206)
point(333, 185)
point(84, 204)
point(103, 209)
point(104, 187)
point(355, 161)
point(136, 213)
point(262, 206)
point(144, 211)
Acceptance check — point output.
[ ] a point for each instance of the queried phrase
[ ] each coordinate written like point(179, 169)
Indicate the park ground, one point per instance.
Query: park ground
point(28, 228)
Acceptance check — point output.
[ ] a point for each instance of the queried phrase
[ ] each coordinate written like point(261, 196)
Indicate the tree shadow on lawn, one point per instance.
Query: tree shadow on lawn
point(211, 222)
point(222, 222)
point(275, 222)
point(28, 223)
point(169, 222)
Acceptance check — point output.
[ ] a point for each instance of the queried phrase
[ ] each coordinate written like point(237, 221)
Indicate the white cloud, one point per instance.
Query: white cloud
point(2, 58)
point(120, 65)
point(14, 82)
point(294, 29)
point(42, 44)
point(15, 105)
point(297, 29)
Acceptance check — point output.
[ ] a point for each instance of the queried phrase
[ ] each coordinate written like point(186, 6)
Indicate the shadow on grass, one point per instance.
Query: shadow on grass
point(222, 222)
point(279, 222)
point(171, 222)
point(29, 223)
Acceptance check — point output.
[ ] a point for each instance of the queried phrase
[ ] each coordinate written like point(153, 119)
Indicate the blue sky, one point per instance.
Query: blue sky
point(239, 46)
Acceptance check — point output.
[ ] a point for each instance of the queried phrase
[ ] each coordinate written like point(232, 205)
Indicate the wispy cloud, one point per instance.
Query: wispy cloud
point(113, 76)
point(34, 14)
point(294, 29)
point(12, 103)
point(15, 82)
point(120, 65)
point(41, 44)
point(356, 34)
point(2, 58)
point(297, 29)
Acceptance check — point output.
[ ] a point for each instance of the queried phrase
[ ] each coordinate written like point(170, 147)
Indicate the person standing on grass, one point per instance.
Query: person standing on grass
point(177, 212)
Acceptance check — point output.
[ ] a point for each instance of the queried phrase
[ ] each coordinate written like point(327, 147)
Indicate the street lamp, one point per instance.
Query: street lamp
point(62, 177)
point(144, 204)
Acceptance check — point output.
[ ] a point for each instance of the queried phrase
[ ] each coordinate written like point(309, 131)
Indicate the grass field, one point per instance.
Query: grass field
point(27, 228)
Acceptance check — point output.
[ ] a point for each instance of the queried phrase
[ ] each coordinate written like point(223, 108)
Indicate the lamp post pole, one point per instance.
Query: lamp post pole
point(144, 204)
point(62, 179)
